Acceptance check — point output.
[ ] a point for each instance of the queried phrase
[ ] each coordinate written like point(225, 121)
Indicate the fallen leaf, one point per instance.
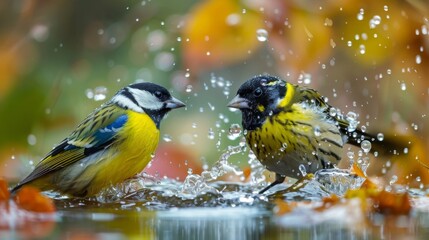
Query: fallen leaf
point(392, 203)
point(30, 199)
point(328, 202)
point(4, 192)
point(283, 207)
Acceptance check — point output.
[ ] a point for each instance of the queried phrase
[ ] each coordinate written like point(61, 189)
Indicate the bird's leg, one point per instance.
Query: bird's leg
point(279, 179)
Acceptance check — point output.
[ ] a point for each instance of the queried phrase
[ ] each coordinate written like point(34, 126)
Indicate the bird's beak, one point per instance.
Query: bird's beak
point(174, 103)
point(238, 102)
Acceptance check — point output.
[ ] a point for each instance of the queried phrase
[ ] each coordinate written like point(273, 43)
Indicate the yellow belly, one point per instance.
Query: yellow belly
point(128, 156)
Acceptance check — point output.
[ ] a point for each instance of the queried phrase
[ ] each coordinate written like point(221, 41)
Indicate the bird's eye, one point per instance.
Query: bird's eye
point(158, 94)
point(257, 92)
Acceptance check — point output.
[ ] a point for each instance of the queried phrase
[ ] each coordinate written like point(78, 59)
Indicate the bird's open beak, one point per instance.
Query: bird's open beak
point(238, 102)
point(174, 103)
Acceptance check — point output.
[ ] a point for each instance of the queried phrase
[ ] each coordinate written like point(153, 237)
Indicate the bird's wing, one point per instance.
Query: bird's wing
point(95, 133)
point(312, 96)
point(309, 95)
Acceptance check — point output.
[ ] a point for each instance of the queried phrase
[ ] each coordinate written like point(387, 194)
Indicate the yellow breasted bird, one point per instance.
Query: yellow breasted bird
point(288, 125)
point(113, 143)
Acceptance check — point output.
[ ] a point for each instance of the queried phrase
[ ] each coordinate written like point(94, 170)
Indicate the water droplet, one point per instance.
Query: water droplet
point(100, 93)
point(349, 43)
point(284, 147)
point(351, 155)
point(366, 146)
point(304, 78)
point(403, 86)
point(211, 134)
point(167, 138)
point(363, 128)
point(262, 35)
point(424, 30)
point(362, 49)
point(212, 107)
point(234, 131)
point(376, 20)
point(418, 59)
point(317, 131)
point(360, 14)
point(405, 150)
point(388, 163)
point(303, 170)
point(332, 112)
point(393, 180)
point(188, 89)
point(380, 137)
point(328, 22)
point(32, 140)
point(386, 8)
point(351, 117)
point(233, 19)
point(89, 93)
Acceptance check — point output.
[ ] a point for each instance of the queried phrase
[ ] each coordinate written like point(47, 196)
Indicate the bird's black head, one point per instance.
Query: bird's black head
point(258, 98)
point(148, 98)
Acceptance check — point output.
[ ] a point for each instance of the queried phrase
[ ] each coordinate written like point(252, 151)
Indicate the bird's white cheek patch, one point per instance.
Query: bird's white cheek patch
point(146, 99)
point(126, 102)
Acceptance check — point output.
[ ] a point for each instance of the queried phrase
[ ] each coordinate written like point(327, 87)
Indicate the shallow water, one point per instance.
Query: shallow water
point(165, 210)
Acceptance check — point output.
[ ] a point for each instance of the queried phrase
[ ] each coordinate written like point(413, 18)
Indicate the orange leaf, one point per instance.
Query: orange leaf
point(328, 202)
point(246, 172)
point(369, 185)
point(30, 199)
point(4, 192)
point(283, 207)
point(357, 170)
point(394, 203)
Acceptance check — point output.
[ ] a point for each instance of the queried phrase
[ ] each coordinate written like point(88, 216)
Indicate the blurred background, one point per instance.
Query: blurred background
point(59, 60)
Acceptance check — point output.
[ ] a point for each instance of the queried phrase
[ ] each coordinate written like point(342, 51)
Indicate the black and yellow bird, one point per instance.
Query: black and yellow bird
point(289, 127)
point(113, 143)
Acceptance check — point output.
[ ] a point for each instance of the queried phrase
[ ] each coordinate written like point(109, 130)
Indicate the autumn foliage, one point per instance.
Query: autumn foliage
point(30, 199)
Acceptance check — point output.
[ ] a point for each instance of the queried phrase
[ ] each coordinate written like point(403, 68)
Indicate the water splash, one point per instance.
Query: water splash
point(338, 181)
point(234, 131)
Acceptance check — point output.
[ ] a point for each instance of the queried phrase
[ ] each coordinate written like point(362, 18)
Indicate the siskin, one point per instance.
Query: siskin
point(113, 143)
point(289, 127)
